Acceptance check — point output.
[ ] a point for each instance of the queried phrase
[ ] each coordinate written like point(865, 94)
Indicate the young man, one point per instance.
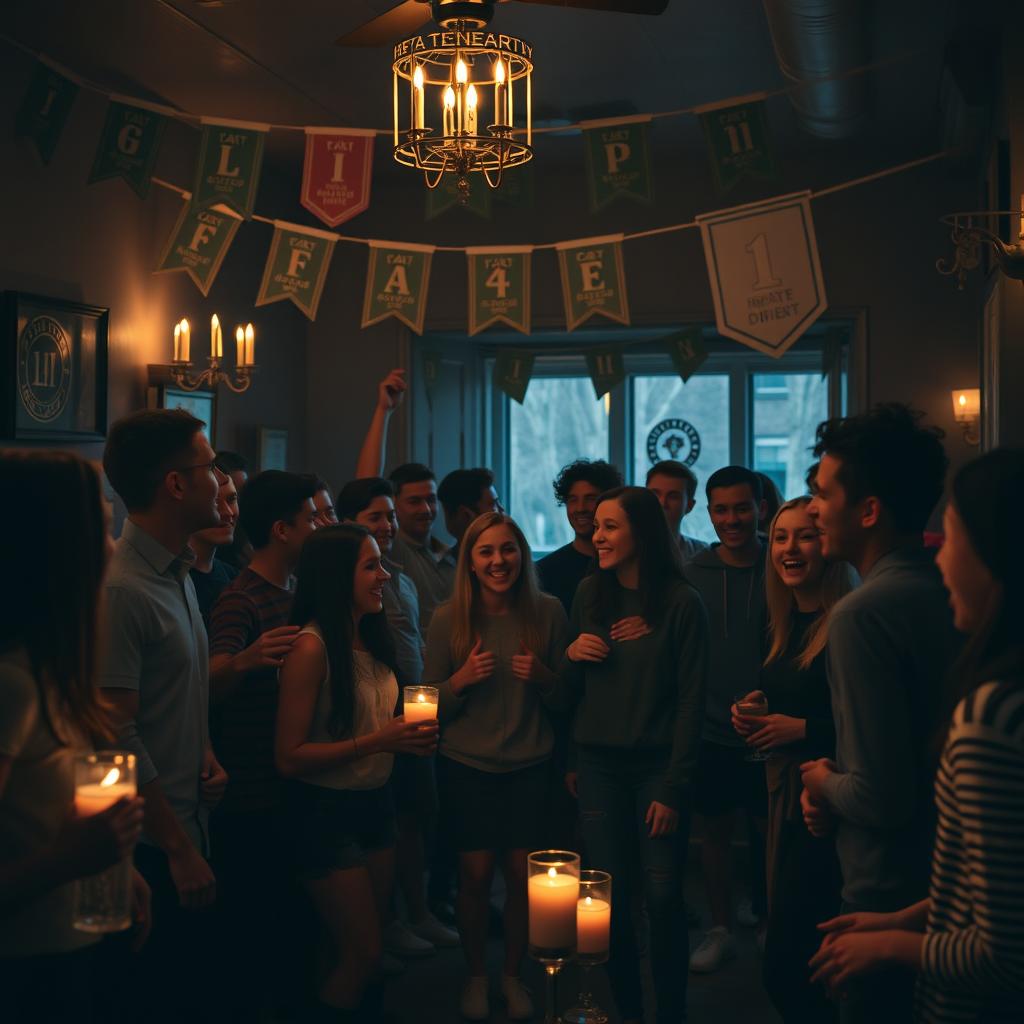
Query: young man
point(730, 578)
point(675, 486)
point(235, 467)
point(577, 488)
point(235, 555)
point(465, 494)
point(155, 675)
point(369, 503)
point(326, 514)
point(210, 575)
point(249, 637)
point(890, 644)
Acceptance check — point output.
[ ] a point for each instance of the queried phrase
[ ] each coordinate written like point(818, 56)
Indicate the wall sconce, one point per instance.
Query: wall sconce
point(245, 359)
point(967, 238)
point(967, 412)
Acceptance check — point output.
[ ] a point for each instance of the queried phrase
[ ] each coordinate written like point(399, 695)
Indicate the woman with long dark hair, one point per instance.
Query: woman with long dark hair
point(337, 735)
point(51, 711)
point(966, 939)
point(639, 699)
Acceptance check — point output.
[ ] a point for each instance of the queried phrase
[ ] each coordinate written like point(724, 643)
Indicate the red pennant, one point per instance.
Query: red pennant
point(336, 175)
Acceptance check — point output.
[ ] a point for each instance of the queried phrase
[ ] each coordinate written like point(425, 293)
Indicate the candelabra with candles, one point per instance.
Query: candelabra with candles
point(245, 361)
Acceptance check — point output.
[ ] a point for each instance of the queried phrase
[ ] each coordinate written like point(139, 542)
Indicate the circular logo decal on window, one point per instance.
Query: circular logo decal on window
point(44, 368)
point(674, 439)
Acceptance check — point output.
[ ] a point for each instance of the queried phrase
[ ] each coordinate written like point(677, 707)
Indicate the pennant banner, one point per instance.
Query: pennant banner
point(499, 287)
point(765, 273)
point(297, 266)
point(512, 369)
point(45, 109)
point(593, 279)
point(198, 244)
point(336, 173)
point(396, 283)
point(687, 352)
point(618, 161)
point(228, 170)
point(737, 138)
point(128, 146)
point(446, 196)
point(606, 369)
point(431, 362)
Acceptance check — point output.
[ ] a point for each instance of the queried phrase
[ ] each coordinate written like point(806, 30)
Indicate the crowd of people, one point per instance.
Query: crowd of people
point(849, 697)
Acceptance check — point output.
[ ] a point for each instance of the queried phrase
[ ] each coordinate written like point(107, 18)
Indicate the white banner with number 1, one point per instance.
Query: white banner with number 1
point(764, 271)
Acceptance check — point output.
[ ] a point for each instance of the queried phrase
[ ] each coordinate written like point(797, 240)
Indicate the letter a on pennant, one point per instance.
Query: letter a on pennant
point(397, 277)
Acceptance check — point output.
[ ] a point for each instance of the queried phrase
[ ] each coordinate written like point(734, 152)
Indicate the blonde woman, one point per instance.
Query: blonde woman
point(803, 872)
point(490, 651)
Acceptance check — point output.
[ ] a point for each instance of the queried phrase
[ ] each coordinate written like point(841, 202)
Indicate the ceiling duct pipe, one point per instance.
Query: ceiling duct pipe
point(823, 39)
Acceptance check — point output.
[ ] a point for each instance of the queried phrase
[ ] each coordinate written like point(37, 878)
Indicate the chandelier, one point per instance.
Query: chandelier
point(245, 361)
point(463, 79)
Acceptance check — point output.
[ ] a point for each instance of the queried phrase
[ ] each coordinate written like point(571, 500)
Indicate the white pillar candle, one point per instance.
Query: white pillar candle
point(552, 900)
point(420, 703)
point(93, 797)
point(250, 345)
point(593, 922)
point(185, 341)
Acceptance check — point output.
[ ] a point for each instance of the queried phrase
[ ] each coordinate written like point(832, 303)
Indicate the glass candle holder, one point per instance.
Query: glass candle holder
point(553, 886)
point(420, 703)
point(593, 937)
point(103, 902)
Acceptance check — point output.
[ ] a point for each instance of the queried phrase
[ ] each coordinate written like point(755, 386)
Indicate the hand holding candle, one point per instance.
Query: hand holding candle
point(420, 703)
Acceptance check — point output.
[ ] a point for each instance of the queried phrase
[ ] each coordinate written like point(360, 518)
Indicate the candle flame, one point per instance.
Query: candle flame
point(214, 322)
point(499, 72)
point(962, 400)
point(239, 333)
point(184, 326)
point(461, 73)
point(177, 330)
point(111, 777)
point(249, 332)
point(449, 98)
point(421, 697)
point(417, 77)
point(588, 901)
point(471, 97)
point(552, 873)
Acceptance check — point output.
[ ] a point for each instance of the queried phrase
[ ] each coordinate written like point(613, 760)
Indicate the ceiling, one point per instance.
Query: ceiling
point(271, 61)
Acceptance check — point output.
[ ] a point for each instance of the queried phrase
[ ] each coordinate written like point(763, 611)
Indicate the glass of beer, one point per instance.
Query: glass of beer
point(754, 708)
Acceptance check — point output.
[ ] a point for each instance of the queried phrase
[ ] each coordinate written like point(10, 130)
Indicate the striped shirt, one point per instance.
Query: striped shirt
point(972, 961)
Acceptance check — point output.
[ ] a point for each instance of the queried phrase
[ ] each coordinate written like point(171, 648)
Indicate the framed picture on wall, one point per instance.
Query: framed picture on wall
point(273, 449)
point(201, 403)
point(53, 381)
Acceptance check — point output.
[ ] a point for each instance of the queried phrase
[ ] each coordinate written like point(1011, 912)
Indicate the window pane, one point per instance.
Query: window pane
point(787, 409)
point(560, 421)
point(667, 416)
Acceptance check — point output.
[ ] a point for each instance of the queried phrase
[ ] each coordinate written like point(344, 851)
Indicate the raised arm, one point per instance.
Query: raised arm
point(390, 393)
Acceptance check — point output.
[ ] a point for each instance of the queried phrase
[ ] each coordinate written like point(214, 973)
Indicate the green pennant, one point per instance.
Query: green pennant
point(45, 109)
point(687, 352)
point(618, 162)
point(396, 283)
point(737, 138)
point(518, 187)
point(499, 287)
point(606, 369)
point(297, 266)
point(431, 362)
point(228, 169)
point(446, 196)
point(128, 146)
point(512, 369)
point(593, 279)
point(198, 244)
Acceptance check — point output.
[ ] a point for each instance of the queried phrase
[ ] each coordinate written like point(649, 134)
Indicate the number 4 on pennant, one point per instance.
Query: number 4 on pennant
point(498, 280)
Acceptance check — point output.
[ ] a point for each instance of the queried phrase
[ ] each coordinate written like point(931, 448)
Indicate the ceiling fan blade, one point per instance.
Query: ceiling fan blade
point(399, 22)
point(619, 6)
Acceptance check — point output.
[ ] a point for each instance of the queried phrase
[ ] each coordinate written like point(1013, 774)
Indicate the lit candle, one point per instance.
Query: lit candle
point(240, 345)
point(93, 797)
point(552, 899)
point(250, 346)
point(593, 921)
point(177, 342)
point(499, 91)
point(449, 106)
point(511, 97)
point(461, 77)
point(420, 703)
point(471, 114)
point(214, 328)
point(185, 341)
point(417, 86)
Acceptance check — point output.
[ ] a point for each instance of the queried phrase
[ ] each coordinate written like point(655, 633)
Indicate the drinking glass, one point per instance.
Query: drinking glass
point(553, 888)
point(756, 708)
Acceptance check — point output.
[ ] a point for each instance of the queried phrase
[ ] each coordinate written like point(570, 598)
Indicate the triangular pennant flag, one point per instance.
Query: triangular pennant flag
point(499, 287)
point(397, 277)
point(45, 109)
point(765, 272)
point(129, 145)
point(446, 197)
point(593, 279)
point(687, 352)
point(737, 138)
point(512, 369)
point(297, 266)
point(431, 374)
point(228, 168)
point(606, 368)
point(336, 173)
point(198, 244)
point(618, 160)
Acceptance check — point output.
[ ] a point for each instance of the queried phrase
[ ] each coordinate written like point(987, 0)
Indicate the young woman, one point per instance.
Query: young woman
point(966, 940)
point(50, 711)
point(489, 651)
point(803, 872)
point(639, 698)
point(336, 737)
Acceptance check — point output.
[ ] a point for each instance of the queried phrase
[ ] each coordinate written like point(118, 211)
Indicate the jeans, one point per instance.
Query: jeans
point(615, 791)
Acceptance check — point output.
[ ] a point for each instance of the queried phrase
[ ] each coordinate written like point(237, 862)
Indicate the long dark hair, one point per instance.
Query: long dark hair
point(323, 595)
point(658, 557)
point(55, 580)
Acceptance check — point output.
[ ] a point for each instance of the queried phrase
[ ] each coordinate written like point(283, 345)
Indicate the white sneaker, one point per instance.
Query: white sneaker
point(391, 965)
point(717, 947)
point(399, 941)
point(433, 931)
point(745, 916)
point(475, 1002)
point(517, 998)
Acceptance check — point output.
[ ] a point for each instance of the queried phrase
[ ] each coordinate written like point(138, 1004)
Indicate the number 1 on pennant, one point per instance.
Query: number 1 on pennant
point(758, 248)
point(736, 144)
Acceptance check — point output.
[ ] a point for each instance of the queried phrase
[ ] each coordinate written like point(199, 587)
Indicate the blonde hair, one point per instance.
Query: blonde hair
point(465, 601)
point(835, 582)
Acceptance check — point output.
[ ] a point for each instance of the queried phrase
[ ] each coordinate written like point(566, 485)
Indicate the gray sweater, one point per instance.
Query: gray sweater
point(890, 644)
point(499, 724)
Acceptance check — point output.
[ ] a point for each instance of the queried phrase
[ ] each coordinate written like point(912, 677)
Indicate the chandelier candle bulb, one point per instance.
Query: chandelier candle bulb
point(449, 106)
point(417, 85)
point(471, 101)
point(177, 342)
point(511, 98)
point(499, 91)
point(240, 345)
point(185, 341)
point(420, 703)
point(250, 345)
point(214, 328)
